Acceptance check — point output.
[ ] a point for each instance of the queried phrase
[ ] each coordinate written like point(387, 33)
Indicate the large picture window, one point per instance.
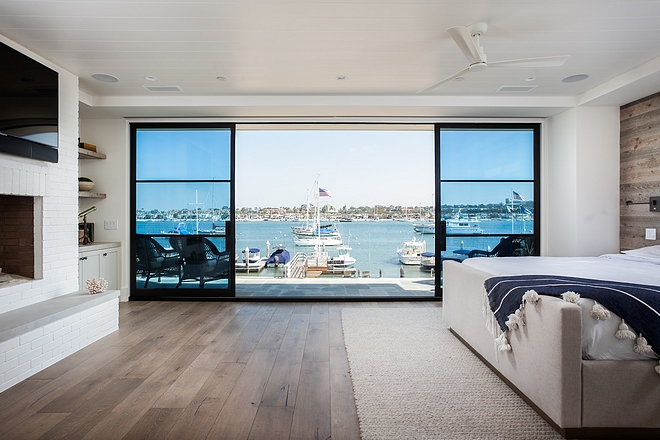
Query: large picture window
point(183, 205)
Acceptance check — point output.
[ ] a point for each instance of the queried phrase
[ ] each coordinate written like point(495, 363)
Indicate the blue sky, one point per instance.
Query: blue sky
point(359, 168)
point(277, 168)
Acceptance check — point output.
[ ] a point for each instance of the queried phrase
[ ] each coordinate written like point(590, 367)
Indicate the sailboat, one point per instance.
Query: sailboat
point(316, 234)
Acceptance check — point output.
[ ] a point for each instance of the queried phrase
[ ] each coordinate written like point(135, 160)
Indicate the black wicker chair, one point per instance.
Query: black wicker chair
point(155, 261)
point(201, 259)
point(511, 246)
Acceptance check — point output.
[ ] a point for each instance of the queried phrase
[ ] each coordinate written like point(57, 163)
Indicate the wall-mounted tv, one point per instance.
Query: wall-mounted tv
point(28, 107)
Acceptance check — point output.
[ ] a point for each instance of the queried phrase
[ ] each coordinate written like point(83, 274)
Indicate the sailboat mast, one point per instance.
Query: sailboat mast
point(512, 211)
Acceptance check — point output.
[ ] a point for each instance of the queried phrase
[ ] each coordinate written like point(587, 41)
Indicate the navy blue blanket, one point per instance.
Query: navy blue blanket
point(637, 304)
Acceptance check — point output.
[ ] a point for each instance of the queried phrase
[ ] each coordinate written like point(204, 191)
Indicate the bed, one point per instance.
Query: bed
point(565, 363)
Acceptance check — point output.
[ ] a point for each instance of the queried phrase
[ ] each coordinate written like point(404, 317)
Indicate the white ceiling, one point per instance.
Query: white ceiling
point(282, 58)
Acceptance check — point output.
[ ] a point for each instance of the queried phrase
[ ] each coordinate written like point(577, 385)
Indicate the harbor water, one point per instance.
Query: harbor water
point(373, 243)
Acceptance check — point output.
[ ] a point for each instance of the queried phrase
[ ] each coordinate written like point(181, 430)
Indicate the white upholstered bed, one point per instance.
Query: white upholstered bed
point(581, 388)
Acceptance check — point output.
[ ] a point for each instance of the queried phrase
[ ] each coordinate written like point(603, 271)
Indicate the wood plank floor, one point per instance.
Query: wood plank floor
point(198, 370)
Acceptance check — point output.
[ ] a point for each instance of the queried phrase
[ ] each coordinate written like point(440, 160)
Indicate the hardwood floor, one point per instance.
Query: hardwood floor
point(198, 370)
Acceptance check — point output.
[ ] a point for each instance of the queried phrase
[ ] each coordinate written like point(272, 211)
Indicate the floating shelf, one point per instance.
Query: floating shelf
point(89, 154)
point(91, 195)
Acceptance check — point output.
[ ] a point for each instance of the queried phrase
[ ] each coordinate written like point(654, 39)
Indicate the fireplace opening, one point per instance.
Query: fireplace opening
point(17, 236)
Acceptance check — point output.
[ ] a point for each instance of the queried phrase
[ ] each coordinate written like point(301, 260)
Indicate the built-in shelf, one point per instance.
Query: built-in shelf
point(90, 195)
point(89, 154)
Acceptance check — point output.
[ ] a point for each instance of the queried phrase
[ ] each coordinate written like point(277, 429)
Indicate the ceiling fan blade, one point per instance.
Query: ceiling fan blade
point(450, 78)
point(464, 41)
point(554, 61)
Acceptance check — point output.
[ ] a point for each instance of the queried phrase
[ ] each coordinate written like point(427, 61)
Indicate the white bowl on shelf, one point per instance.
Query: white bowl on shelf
point(85, 186)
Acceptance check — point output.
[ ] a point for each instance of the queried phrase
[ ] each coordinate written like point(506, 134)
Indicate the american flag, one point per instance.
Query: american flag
point(517, 196)
point(324, 193)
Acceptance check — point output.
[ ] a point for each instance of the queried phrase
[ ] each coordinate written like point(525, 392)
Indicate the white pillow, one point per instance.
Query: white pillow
point(648, 251)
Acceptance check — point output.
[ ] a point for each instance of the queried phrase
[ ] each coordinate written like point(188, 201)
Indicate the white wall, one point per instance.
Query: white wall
point(111, 177)
point(580, 184)
point(55, 188)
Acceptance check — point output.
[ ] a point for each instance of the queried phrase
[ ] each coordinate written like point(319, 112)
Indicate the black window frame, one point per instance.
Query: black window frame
point(158, 293)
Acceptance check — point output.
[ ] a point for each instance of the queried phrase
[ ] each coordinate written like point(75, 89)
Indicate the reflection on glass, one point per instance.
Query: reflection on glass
point(475, 208)
point(487, 154)
point(182, 208)
point(515, 245)
point(181, 230)
point(181, 261)
point(183, 154)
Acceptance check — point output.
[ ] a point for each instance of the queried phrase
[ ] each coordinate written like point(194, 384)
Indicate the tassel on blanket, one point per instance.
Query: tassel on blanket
point(503, 343)
point(657, 368)
point(641, 346)
point(624, 332)
point(570, 297)
point(599, 312)
point(516, 320)
point(532, 297)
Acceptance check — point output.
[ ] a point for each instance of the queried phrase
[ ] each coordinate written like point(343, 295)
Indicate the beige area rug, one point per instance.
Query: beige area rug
point(412, 379)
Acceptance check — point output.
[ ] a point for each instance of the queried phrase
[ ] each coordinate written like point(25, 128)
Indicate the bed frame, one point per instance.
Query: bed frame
point(579, 398)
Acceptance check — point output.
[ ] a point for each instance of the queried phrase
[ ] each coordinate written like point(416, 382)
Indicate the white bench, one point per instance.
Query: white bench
point(36, 336)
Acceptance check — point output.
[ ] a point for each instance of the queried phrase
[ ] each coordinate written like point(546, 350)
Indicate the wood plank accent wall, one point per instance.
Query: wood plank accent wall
point(640, 170)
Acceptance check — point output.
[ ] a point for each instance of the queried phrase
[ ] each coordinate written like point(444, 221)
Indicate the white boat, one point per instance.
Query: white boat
point(463, 227)
point(343, 259)
point(324, 235)
point(250, 261)
point(316, 234)
point(410, 253)
point(215, 230)
point(424, 227)
point(427, 263)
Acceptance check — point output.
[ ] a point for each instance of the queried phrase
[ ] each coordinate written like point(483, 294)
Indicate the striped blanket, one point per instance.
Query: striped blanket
point(638, 305)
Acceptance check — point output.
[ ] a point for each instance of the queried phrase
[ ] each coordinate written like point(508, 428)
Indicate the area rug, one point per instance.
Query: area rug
point(412, 379)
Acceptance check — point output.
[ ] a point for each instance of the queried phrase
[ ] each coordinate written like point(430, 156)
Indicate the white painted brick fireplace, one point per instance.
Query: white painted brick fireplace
point(54, 188)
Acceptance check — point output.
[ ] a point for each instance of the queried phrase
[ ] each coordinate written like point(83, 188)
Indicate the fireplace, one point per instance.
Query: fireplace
point(17, 235)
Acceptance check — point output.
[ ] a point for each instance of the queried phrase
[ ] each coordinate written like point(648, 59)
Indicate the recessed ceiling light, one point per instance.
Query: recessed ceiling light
point(342, 78)
point(530, 78)
point(460, 78)
point(104, 77)
point(575, 78)
point(151, 78)
point(221, 78)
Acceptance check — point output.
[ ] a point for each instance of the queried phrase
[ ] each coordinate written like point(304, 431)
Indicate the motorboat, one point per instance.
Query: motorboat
point(215, 230)
point(343, 259)
point(250, 260)
point(463, 227)
point(410, 252)
point(427, 262)
point(424, 227)
point(278, 258)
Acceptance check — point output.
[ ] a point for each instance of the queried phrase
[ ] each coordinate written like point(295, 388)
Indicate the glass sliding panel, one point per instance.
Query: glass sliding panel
point(173, 154)
point(183, 211)
point(488, 189)
point(487, 154)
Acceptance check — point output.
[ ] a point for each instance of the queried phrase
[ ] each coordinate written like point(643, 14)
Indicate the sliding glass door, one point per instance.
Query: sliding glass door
point(488, 189)
point(183, 206)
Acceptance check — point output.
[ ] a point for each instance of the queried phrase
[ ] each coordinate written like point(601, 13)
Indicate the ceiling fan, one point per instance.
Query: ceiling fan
point(467, 39)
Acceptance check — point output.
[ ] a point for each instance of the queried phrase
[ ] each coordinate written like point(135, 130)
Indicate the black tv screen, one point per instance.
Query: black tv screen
point(28, 107)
